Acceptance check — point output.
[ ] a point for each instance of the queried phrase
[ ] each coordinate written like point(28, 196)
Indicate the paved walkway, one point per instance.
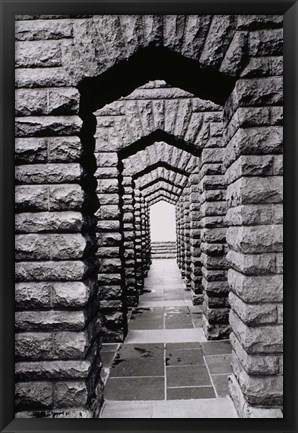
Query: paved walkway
point(166, 368)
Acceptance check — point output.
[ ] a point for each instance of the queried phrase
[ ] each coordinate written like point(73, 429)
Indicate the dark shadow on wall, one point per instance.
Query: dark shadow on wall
point(153, 63)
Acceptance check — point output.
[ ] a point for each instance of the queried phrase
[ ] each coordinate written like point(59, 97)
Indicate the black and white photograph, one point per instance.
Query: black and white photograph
point(149, 216)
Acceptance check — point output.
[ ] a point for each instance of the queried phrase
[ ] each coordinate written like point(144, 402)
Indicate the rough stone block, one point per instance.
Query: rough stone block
point(49, 370)
point(253, 314)
point(111, 239)
point(33, 295)
point(106, 159)
point(33, 395)
point(36, 126)
point(213, 208)
point(254, 141)
point(216, 288)
point(32, 30)
point(64, 149)
point(252, 165)
point(262, 339)
point(235, 55)
point(109, 212)
point(244, 409)
point(216, 315)
point(266, 42)
point(48, 173)
point(255, 190)
point(31, 198)
point(220, 34)
point(64, 101)
point(38, 54)
point(33, 346)
point(261, 289)
point(110, 265)
point(255, 365)
point(31, 102)
point(70, 345)
point(213, 235)
point(215, 331)
point(70, 295)
point(258, 214)
point(113, 279)
point(107, 186)
point(266, 390)
point(263, 66)
point(256, 239)
point(261, 91)
point(39, 222)
point(254, 264)
point(70, 394)
point(214, 263)
point(42, 77)
point(66, 197)
point(49, 321)
point(50, 271)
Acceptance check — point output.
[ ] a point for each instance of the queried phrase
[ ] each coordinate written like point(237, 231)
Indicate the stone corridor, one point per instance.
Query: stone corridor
point(166, 357)
point(115, 113)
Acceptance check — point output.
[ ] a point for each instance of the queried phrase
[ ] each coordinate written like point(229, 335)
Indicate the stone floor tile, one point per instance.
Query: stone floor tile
point(221, 384)
point(195, 375)
point(137, 388)
point(165, 336)
point(107, 358)
point(217, 347)
point(190, 392)
point(219, 364)
point(124, 409)
point(109, 347)
point(184, 346)
point(137, 367)
point(198, 408)
point(184, 357)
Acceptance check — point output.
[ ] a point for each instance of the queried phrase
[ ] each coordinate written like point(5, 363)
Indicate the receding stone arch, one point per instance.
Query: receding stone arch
point(159, 179)
point(160, 197)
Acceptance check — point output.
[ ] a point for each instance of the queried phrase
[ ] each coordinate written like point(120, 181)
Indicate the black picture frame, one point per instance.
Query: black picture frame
point(9, 9)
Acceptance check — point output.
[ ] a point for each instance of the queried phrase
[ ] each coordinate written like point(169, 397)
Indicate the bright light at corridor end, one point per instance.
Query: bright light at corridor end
point(162, 222)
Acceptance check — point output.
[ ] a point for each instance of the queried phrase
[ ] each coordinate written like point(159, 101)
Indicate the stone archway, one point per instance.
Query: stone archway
point(56, 195)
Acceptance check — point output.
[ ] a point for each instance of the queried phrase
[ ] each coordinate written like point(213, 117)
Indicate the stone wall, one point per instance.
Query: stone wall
point(99, 138)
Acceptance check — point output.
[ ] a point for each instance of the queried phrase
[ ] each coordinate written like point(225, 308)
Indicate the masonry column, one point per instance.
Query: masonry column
point(187, 255)
point(195, 241)
point(214, 264)
point(138, 241)
point(131, 293)
point(255, 237)
point(109, 238)
point(57, 338)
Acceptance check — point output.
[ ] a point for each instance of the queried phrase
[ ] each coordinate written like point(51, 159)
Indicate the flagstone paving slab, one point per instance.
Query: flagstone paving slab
point(196, 408)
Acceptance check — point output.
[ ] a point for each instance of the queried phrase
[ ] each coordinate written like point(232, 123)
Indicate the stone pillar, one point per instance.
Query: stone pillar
point(187, 254)
point(253, 162)
point(138, 241)
point(195, 241)
point(179, 233)
point(57, 338)
point(147, 237)
point(214, 264)
point(130, 291)
point(110, 242)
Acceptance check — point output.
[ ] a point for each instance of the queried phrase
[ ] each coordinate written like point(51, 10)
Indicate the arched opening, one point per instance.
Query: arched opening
point(162, 222)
